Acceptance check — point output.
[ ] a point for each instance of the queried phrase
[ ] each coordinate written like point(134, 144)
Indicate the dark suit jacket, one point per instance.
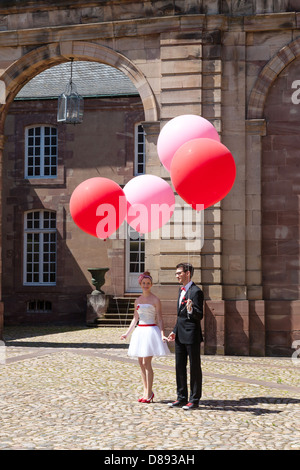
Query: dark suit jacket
point(188, 327)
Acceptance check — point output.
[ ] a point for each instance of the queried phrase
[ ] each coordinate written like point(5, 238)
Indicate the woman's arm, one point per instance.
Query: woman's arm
point(132, 324)
point(160, 319)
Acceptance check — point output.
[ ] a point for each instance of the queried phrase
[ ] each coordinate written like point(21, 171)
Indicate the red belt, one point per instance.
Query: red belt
point(149, 324)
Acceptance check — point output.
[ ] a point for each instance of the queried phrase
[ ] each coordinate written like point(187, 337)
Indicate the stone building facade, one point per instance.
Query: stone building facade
point(237, 64)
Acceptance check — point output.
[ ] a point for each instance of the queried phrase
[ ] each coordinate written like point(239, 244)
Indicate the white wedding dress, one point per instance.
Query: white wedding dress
point(146, 338)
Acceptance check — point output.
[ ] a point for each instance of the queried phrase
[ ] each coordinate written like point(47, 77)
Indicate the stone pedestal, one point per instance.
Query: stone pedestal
point(97, 301)
point(96, 308)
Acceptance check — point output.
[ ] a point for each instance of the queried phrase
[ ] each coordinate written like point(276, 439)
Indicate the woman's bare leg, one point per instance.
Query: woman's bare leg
point(143, 374)
point(149, 375)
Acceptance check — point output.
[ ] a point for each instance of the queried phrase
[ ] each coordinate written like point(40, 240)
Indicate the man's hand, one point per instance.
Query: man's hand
point(171, 337)
point(189, 306)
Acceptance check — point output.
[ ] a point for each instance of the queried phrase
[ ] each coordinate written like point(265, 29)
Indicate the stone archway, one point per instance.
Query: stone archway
point(271, 162)
point(269, 73)
point(38, 60)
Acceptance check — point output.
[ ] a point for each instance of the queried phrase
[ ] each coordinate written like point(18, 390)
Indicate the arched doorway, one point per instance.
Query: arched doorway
point(22, 71)
point(273, 143)
point(281, 210)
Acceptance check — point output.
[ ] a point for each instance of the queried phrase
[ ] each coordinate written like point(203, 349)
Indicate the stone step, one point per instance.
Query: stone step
point(119, 313)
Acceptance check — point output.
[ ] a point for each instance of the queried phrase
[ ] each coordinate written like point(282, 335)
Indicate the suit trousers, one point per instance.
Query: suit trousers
point(182, 352)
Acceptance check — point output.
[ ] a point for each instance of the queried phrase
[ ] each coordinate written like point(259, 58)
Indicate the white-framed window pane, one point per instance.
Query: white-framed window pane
point(40, 248)
point(33, 151)
point(139, 151)
point(49, 258)
point(136, 252)
point(41, 151)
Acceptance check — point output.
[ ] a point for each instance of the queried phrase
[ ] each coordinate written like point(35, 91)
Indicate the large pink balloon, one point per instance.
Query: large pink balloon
point(98, 206)
point(203, 172)
point(179, 130)
point(150, 202)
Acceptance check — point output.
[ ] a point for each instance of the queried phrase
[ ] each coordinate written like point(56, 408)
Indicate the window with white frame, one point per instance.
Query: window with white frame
point(41, 152)
point(136, 252)
point(40, 248)
point(139, 150)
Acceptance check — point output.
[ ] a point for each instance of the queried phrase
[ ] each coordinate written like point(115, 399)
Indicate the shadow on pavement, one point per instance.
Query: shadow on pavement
point(244, 405)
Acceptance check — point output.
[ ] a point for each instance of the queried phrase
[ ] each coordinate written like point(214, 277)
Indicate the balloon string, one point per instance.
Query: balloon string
point(188, 294)
point(136, 271)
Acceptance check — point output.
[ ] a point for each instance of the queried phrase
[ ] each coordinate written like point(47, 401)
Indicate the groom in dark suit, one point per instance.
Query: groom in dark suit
point(188, 337)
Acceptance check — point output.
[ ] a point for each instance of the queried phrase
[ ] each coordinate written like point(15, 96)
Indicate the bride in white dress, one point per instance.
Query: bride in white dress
point(148, 338)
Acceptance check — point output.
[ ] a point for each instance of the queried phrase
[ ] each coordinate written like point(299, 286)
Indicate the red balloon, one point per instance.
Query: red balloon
point(98, 206)
point(202, 172)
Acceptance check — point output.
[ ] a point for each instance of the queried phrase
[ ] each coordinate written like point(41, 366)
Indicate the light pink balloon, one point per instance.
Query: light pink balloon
point(180, 130)
point(150, 202)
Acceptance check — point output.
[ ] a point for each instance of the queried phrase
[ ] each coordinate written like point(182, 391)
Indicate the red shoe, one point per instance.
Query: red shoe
point(148, 400)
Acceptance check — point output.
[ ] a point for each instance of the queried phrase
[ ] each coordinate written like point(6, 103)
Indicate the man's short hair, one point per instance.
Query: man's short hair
point(186, 267)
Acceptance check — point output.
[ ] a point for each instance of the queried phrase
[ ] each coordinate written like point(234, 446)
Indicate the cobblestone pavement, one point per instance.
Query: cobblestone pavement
point(74, 388)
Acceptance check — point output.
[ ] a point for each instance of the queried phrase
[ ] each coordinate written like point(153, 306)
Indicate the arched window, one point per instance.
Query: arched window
point(41, 152)
point(139, 150)
point(40, 248)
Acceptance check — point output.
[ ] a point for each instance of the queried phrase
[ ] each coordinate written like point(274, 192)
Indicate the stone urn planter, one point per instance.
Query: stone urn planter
point(98, 279)
point(97, 301)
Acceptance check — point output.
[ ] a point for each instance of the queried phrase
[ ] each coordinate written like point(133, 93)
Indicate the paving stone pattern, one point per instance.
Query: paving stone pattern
point(74, 388)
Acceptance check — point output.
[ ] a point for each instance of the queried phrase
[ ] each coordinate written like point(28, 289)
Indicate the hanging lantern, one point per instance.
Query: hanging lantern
point(70, 104)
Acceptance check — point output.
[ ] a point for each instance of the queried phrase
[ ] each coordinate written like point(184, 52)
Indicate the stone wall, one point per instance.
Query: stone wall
point(56, 13)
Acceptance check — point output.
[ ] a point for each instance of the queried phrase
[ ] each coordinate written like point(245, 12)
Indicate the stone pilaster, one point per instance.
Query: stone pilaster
point(181, 74)
point(211, 259)
point(211, 253)
point(2, 142)
point(255, 129)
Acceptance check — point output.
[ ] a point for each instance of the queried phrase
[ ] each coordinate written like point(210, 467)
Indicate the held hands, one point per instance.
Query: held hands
point(164, 338)
point(171, 337)
point(189, 307)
